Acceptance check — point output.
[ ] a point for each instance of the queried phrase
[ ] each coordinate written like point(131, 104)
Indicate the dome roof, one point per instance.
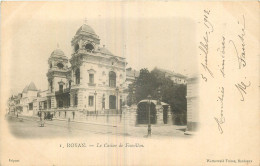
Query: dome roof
point(104, 50)
point(85, 29)
point(58, 53)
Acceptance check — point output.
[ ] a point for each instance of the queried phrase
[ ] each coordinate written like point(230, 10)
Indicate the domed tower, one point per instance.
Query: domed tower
point(84, 45)
point(85, 38)
point(97, 75)
point(58, 76)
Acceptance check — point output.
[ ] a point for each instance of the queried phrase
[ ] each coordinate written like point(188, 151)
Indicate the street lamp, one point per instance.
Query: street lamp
point(103, 102)
point(117, 90)
point(159, 95)
point(149, 112)
point(95, 102)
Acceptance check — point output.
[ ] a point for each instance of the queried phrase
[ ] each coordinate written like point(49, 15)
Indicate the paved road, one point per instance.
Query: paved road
point(28, 127)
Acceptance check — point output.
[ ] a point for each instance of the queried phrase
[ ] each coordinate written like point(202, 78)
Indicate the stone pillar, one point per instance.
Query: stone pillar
point(159, 114)
point(192, 104)
point(53, 102)
point(169, 116)
point(107, 101)
point(80, 99)
point(71, 99)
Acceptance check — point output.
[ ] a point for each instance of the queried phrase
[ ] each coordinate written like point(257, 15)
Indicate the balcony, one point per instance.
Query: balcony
point(67, 90)
point(85, 51)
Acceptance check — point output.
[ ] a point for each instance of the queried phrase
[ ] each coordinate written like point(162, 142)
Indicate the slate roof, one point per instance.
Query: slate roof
point(58, 53)
point(104, 50)
point(171, 73)
point(30, 87)
point(85, 29)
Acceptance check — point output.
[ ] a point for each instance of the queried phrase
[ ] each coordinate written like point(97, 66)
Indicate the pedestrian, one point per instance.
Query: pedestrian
point(42, 120)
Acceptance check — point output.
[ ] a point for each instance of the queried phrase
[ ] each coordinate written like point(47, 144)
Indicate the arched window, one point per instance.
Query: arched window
point(89, 47)
point(76, 47)
point(112, 79)
point(51, 85)
point(77, 74)
point(60, 65)
point(69, 84)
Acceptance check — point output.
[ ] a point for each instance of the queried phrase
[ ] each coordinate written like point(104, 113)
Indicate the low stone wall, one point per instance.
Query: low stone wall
point(126, 116)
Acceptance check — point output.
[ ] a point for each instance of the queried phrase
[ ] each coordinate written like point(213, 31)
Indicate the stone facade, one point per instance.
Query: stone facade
point(175, 77)
point(95, 80)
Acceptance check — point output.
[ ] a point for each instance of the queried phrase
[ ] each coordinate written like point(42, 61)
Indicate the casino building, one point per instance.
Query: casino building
point(93, 82)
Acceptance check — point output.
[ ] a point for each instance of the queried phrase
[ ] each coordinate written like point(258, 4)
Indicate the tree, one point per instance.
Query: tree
point(171, 93)
point(145, 85)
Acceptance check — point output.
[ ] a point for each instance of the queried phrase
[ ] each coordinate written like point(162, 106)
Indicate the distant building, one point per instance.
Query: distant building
point(26, 98)
point(175, 77)
point(131, 75)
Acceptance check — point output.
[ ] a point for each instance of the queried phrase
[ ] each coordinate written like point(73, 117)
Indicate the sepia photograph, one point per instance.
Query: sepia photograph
point(87, 89)
point(129, 83)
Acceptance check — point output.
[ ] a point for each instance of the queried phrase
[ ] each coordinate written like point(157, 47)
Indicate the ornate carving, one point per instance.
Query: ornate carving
point(91, 71)
point(76, 62)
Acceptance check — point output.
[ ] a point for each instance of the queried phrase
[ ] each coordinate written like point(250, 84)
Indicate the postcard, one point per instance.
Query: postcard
point(129, 83)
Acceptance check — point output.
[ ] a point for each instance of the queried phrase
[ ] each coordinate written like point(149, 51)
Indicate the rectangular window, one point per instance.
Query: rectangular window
point(76, 100)
point(91, 78)
point(45, 105)
point(30, 106)
point(49, 103)
point(61, 88)
point(90, 100)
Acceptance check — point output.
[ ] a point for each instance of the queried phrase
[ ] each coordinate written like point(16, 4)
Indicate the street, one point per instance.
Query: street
point(28, 127)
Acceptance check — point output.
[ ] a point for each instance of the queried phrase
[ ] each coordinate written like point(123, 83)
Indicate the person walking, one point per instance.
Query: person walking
point(42, 119)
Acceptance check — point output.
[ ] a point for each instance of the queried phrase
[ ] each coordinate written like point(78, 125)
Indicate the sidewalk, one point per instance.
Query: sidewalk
point(156, 131)
point(36, 118)
point(127, 130)
point(86, 122)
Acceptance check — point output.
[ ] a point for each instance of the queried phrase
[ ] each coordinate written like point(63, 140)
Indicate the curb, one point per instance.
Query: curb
point(36, 117)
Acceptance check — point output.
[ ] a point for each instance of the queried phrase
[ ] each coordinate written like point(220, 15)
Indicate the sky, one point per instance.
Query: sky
point(145, 38)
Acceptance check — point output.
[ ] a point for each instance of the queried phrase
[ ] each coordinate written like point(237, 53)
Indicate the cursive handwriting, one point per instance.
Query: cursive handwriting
point(242, 56)
point(222, 69)
point(221, 120)
point(207, 23)
point(241, 87)
point(204, 46)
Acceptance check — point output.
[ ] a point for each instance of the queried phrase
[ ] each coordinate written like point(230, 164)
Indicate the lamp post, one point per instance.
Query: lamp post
point(95, 102)
point(117, 90)
point(149, 112)
point(159, 95)
point(103, 102)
